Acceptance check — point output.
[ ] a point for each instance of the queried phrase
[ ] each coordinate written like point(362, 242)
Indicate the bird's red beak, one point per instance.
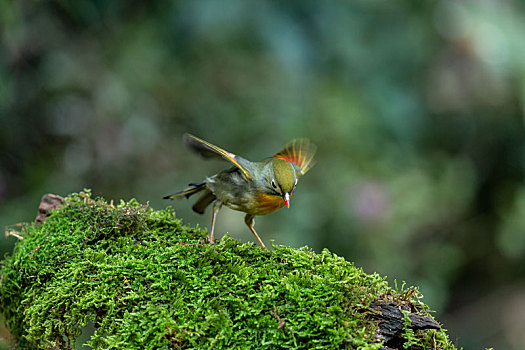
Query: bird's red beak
point(286, 198)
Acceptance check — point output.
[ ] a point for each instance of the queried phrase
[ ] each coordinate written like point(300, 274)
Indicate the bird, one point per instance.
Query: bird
point(255, 188)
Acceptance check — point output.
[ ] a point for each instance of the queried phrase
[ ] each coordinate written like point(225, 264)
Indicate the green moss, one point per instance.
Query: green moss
point(146, 281)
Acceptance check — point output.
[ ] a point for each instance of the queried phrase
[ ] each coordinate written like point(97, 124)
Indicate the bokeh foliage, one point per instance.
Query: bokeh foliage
point(416, 106)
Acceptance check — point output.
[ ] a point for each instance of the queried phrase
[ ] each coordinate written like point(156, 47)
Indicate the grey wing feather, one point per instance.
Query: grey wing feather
point(200, 147)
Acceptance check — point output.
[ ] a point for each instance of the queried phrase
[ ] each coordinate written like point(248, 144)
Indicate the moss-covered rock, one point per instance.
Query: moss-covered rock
point(143, 280)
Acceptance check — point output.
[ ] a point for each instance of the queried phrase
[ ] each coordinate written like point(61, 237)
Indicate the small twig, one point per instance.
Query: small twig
point(13, 233)
point(278, 318)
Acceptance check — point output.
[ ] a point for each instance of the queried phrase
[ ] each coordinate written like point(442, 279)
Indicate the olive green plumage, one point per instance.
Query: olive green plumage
point(256, 188)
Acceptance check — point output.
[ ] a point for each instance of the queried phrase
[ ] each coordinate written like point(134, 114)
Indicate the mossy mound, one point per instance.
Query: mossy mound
point(146, 281)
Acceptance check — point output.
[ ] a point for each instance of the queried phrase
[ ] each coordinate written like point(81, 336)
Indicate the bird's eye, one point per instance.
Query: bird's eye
point(273, 184)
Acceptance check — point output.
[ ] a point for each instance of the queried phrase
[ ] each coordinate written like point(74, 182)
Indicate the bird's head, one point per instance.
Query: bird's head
point(280, 179)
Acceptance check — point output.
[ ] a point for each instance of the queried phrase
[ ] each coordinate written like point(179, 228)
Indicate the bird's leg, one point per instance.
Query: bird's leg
point(216, 207)
point(250, 222)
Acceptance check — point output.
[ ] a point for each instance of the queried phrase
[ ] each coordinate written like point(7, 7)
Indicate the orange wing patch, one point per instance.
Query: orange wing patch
point(300, 152)
point(267, 203)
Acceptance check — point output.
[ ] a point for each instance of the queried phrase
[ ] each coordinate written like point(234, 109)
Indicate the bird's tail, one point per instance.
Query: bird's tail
point(195, 188)
point(202, 203)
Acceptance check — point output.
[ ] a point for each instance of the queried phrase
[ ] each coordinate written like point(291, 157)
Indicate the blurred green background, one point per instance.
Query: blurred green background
point(417, 108)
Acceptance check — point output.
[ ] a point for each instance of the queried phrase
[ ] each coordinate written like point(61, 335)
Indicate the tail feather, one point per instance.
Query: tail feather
point(202, 203)
point(188, 192)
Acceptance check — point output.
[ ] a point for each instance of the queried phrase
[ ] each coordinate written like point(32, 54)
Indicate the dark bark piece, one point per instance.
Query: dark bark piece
point(49, 202)
point(391, 324)
point(423, 322)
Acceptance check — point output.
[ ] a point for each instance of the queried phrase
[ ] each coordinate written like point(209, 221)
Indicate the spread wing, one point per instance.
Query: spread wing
point(207, 150)
point(300, 152)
